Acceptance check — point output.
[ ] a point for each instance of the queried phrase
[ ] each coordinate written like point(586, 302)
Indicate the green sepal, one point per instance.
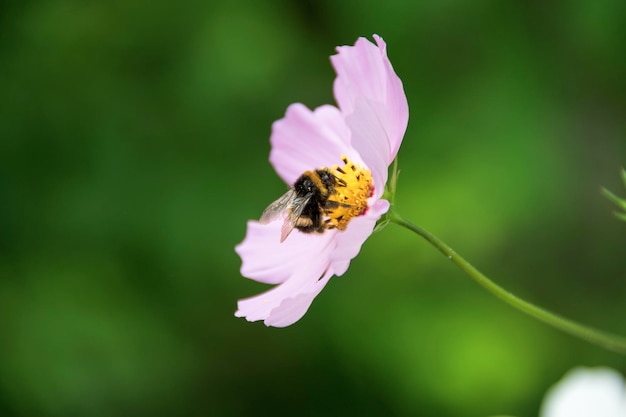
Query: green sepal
point(382, 223)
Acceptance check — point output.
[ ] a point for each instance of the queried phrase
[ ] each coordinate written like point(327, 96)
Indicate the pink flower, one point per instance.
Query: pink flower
point(367, 130)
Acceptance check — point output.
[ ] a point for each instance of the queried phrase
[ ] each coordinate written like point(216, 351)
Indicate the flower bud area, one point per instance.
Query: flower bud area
point(353, 186)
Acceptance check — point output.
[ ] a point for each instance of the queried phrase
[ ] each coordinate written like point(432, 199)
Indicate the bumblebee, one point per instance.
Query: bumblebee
point(305, 204)
point(322, 199)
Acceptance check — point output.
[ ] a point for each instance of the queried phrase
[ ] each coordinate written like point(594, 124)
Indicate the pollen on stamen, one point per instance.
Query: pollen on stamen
point(356, 186)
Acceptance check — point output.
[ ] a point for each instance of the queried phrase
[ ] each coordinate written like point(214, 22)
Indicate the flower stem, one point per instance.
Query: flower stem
point(606, 340)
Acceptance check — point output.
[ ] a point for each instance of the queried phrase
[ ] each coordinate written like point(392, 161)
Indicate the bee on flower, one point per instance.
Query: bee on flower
point(335, 162)
point(322, 199)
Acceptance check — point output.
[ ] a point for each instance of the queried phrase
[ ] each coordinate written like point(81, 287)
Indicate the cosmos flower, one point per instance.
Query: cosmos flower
point(356, 141)
point(585, 392)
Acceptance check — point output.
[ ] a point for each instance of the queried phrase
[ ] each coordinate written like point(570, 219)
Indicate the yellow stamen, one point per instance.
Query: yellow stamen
point(353, 186)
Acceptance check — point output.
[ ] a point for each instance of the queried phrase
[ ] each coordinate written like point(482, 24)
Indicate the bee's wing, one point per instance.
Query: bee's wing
point(296, 205)
point(288, 226)
point(278, 208)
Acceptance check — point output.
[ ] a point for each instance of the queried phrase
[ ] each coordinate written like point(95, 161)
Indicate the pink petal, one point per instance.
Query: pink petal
point(397, 104)
point(301, 265)
point(286, 303)
point(349, 241)
point(365, 75)
point(266, 260)
point(368, 133)
point(305, 140)
point(292, 309)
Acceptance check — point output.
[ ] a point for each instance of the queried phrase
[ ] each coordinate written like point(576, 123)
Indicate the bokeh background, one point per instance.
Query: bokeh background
point(133, 149)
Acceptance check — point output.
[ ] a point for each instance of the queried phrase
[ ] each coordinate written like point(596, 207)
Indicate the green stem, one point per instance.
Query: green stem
point(606, 340)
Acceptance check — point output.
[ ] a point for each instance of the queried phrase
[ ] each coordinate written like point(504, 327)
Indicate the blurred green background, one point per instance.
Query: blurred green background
point(134, 144)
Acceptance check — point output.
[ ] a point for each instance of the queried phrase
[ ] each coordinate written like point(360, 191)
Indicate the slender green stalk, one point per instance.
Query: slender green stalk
point(606, 340)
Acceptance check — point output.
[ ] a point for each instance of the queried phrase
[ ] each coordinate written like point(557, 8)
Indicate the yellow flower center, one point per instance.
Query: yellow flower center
point(353, 186)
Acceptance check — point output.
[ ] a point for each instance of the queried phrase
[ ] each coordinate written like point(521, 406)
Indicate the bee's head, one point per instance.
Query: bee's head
point(318, 182)
point(306, 184)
